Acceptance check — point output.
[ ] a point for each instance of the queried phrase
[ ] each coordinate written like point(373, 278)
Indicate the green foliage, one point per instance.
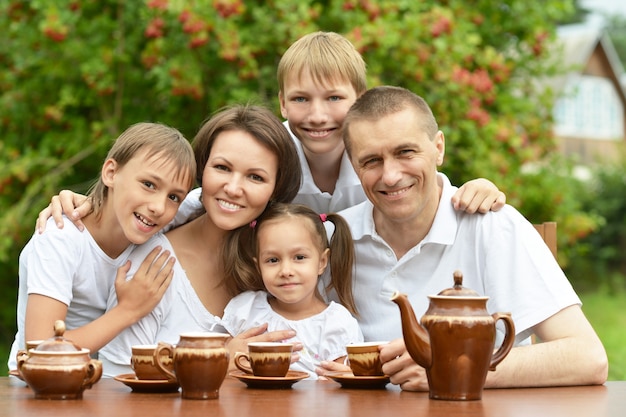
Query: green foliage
point(598, 259)
point(75, 73)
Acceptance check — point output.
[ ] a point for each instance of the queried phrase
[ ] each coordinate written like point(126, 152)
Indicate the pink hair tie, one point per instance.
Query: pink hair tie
point(253, 224)
point(323, 217)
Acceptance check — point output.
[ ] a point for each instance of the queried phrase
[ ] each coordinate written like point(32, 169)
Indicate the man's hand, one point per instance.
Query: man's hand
point(402, 370)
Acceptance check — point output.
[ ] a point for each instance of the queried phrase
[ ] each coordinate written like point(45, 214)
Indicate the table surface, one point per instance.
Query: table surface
point(315, 398)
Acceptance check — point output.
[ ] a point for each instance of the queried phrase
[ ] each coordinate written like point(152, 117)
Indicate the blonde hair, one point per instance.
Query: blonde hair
point(159, 141)
point(328, 57)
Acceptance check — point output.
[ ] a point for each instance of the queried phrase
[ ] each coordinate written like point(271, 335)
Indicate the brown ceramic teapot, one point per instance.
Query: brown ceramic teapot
point(455, 341)
point(57, 369)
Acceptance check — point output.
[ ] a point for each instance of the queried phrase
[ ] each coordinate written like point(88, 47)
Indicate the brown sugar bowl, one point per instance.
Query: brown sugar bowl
point(57, 369)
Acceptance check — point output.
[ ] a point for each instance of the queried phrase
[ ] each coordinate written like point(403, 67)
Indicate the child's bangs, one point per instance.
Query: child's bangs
point(179, 167)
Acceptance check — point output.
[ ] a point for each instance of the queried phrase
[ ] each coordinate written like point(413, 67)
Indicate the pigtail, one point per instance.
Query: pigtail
point(342, 262)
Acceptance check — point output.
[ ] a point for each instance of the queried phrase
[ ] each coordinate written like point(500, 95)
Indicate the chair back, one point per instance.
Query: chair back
point(547, 230)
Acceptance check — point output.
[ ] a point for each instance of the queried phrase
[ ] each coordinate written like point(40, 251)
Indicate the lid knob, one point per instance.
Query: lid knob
point(458, 290)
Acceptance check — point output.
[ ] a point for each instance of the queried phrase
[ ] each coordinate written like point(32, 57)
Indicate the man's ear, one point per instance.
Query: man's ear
point(440, 144)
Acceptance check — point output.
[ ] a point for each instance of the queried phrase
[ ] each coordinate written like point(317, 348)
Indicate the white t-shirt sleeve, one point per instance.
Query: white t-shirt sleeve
point(50, 261)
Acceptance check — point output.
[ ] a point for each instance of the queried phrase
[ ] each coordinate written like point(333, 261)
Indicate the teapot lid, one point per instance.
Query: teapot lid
point(458, 290)
point(58, 343)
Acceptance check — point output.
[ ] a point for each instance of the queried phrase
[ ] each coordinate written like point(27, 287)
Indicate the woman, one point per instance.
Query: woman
point(245, 158)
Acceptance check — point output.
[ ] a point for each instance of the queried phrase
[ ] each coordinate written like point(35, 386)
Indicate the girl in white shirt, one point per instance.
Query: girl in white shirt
point(290, 251)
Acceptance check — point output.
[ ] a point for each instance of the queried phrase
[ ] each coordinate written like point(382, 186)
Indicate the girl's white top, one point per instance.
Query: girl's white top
point(324, 335)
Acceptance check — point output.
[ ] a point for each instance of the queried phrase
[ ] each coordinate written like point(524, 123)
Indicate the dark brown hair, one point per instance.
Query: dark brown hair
point(269, 131)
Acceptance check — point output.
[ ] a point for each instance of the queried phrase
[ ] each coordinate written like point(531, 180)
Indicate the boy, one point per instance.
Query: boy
point(67, 275)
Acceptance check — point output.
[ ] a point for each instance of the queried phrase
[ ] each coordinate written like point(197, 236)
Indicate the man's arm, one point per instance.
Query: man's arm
point(570, 353)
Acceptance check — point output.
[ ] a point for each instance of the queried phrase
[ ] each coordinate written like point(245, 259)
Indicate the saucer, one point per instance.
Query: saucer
point(147, 385)
point(270, 382)
point(348, 380)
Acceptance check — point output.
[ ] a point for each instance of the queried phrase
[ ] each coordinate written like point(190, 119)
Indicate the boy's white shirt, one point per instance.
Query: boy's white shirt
point(324, 336)
point(179, 311)
point(348, 190)
point(69, 266)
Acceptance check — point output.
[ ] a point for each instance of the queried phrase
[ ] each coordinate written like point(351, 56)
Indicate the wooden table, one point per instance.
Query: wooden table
point(316, 398)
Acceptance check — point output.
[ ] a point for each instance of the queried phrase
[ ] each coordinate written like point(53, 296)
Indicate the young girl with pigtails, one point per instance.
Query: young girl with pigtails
point(290, 250)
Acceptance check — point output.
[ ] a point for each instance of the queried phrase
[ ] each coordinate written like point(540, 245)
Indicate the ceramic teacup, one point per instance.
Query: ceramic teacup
point(265, 359)
point(142, 362)
point(364, 358)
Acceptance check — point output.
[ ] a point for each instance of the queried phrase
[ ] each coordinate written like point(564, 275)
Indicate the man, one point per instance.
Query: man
point(409, 238)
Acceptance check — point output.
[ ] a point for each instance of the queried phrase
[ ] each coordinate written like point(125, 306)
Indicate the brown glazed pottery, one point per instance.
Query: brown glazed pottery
point(200, 363)
point(57, 369)
point(455, 341)
point(142, 362)
point(268, 359)
point(364, 358)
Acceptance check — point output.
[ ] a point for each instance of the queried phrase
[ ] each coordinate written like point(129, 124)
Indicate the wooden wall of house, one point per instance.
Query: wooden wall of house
point(590, 151)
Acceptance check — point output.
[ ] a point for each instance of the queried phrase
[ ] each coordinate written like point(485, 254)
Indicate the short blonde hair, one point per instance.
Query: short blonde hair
point(385, 100)
point(327, 56)
point(159, 141)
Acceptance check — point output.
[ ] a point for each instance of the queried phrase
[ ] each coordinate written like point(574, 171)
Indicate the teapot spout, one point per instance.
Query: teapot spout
point(415, 336)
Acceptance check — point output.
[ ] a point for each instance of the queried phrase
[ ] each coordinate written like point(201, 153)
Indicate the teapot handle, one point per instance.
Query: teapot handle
point(507, 343)
point(94, 373)
point(21, 357)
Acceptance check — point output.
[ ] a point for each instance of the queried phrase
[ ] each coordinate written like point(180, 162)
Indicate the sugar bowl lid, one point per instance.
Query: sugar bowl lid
point(58, 343)
point(458, 290)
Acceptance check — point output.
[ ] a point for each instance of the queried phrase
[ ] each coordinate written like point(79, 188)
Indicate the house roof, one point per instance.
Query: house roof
point(580, 42)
